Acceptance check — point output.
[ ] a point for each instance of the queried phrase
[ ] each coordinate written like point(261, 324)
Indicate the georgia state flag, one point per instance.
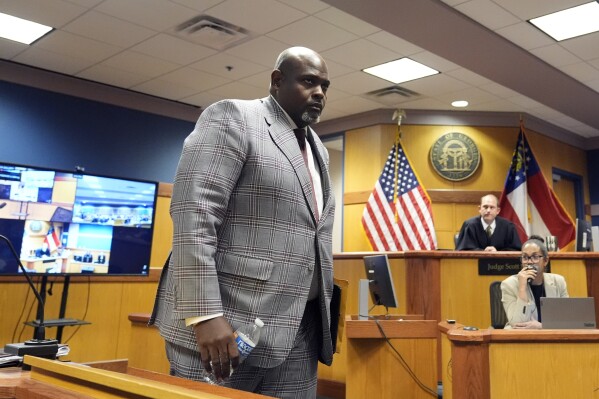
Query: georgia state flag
point(530, 203)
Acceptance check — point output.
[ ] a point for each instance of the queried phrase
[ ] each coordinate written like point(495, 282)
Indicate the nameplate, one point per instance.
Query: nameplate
point(498, 266)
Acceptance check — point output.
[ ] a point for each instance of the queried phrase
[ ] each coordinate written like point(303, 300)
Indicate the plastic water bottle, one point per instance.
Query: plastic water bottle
point(246, 337)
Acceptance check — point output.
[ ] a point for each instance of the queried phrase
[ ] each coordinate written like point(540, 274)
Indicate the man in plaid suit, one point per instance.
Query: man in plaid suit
point(252, 210)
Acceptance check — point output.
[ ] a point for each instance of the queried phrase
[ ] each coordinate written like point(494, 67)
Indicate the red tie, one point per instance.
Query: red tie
point(300, 134)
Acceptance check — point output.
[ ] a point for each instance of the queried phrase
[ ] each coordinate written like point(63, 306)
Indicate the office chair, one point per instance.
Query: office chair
point(498, 316)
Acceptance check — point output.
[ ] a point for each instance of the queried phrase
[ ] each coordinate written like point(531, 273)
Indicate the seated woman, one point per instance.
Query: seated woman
point(521, 293)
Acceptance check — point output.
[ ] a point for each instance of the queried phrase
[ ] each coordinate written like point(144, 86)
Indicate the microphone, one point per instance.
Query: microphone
point(529, 267)
point(2, 205)
point(38, 346)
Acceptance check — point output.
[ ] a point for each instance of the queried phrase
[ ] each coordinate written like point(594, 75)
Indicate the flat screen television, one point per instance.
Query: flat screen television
point(584, 236)
point(380, 280)
point(72, 223)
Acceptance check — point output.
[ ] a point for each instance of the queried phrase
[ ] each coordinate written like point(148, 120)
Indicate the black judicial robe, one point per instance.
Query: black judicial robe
point(473, 237)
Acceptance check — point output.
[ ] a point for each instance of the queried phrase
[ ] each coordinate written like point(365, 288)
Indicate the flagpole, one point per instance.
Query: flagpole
point(399, 114)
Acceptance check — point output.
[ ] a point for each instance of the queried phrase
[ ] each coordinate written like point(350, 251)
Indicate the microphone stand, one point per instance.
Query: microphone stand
point(38, 346)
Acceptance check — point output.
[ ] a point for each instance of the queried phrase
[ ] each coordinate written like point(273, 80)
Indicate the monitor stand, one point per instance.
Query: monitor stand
point(363, 294)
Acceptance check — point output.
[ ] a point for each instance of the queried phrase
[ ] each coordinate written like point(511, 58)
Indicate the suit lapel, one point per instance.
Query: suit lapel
point(284, 138)
point(550, 288)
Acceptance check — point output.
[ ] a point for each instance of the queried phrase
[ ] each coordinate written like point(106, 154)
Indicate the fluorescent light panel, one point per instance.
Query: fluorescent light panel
point(569, 23)
point(401, 70)
point(21, 30)
point(459, 104)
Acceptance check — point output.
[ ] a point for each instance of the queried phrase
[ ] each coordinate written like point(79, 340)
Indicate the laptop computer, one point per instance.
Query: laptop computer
point(568, 313)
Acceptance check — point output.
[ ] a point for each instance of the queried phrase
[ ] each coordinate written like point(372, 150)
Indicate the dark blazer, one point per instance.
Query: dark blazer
point(473, 237)
point(246, 241)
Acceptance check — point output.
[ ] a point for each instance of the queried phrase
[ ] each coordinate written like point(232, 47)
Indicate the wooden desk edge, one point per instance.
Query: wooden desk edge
point(456, 333)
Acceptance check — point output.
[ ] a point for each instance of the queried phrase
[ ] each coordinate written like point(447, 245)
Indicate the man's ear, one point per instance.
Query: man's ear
point(275, 78)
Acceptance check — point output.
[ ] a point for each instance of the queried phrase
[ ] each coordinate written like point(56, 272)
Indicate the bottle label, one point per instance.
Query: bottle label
point(244, 345)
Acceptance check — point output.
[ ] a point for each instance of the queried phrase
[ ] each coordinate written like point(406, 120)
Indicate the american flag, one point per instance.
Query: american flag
point(530, 203)
point(52, 239)
point(398, 214)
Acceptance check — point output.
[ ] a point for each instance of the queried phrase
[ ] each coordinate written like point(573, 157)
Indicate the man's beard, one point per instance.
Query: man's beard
point(311, 117)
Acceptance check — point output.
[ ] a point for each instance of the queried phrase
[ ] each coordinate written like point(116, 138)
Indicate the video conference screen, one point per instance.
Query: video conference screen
point(63, 222)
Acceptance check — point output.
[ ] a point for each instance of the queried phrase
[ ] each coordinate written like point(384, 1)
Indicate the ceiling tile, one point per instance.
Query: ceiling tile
point(525, 35)
point(257, 16)
point(594, 84)
point(55, 13)
point(434, 61)
point(394, 43)
point(360, 54)
point(9, 48)
point(487, 13)
point(347, 22)
point(173, 49)
point(262, 51)
point(435, 85)
point(112, 76)
point(556, 55)
point(353, 105)
point(422, 103)
point(315, 34)
point(584, 47)
point(359, 83)
point(524, 102)
point(335, 70)
point(582, 71)
point(52, 61)
point(157, 15)
point(307, 6)
point(260, 80)
point(198, 5)
point(66, 43)
point(203, 99)
point(528, 9)
point(499, 90)
point(473, 95)
point(194, 79)
point(239, 68)
point(468, 77)
point(140, 63)
point(239, 90)
point(102, 27)
point(164, 89)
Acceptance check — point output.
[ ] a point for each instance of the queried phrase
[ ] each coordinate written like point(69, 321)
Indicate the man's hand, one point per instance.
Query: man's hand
point(529, 325)
point(491, 249)
point(218, 349)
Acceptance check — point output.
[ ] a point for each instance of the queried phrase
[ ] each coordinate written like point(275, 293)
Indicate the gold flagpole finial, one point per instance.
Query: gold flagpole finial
point(399, 114)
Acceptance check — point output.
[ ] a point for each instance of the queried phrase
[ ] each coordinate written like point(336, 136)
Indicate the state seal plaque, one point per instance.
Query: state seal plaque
point(455, 156)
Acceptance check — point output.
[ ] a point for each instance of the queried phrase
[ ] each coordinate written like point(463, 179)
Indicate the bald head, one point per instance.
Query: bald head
point(299, 83)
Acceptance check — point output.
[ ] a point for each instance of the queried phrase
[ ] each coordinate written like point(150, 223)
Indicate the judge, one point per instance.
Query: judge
point(488, 232)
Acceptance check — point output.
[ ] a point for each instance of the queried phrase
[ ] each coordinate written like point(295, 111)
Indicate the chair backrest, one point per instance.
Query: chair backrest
point(498, 316)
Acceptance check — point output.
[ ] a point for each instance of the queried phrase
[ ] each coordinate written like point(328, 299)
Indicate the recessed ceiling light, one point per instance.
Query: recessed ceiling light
point(459, 104)
point(21, 30)
point(569, 23)
point(401, 70)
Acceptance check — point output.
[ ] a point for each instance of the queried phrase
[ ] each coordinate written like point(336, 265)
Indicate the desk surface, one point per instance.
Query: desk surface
point(46, 381)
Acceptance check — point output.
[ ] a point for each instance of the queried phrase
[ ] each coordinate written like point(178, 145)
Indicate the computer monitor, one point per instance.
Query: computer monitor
point(584, 236)
point(65, 222)
point(380, 280)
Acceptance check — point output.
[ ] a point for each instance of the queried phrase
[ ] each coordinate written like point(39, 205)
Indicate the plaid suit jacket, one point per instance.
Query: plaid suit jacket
point(246, 241)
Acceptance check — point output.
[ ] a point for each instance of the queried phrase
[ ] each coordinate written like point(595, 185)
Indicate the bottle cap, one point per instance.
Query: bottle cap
point(259, 322)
